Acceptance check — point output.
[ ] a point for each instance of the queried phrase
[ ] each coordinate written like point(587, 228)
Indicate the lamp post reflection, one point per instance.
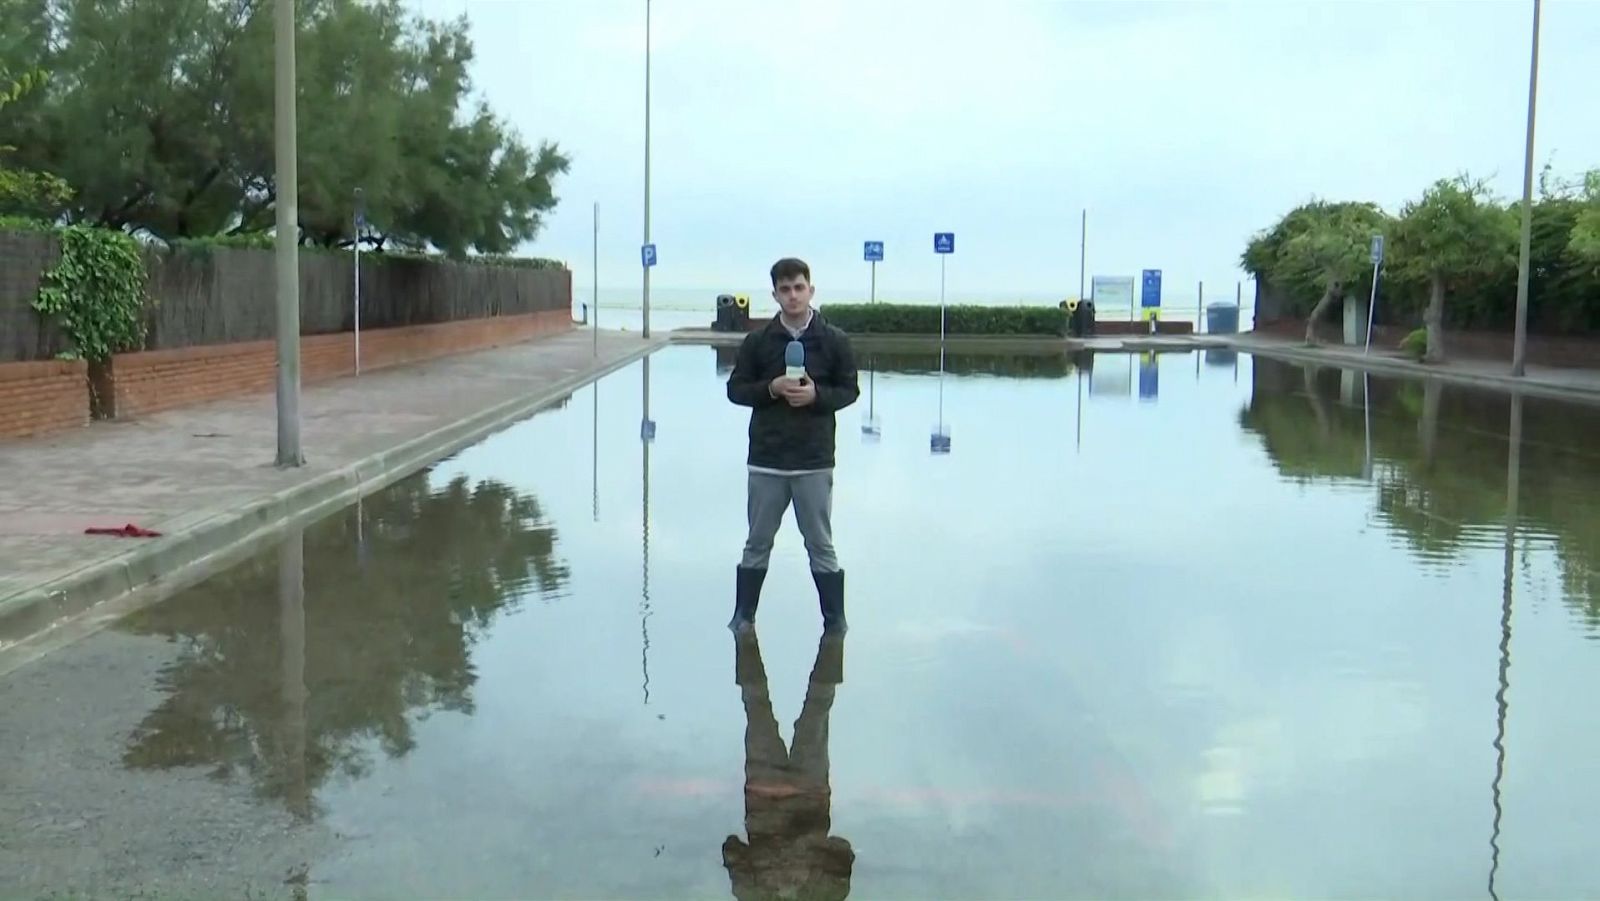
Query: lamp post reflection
point(1513, 497)
point(787, 793)
point(647, 436)
point(292, 671)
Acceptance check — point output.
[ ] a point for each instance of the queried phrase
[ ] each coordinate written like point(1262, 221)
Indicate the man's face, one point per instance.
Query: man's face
point(793, 295)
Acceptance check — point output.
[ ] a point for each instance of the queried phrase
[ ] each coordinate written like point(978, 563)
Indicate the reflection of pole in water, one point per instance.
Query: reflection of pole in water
point(872, 390)
point(1366, 409)
point(292, 633)
point(646, 436)
point(1080, 408)
point(1513, 492)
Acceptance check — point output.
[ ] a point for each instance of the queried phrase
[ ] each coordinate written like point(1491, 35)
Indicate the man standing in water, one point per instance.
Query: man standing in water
point(794, 373)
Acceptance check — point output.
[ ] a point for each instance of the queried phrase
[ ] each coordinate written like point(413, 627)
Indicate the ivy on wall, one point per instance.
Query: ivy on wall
point(96, 292)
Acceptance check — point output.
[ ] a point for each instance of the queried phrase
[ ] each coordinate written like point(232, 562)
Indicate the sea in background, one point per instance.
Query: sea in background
point(673, 308)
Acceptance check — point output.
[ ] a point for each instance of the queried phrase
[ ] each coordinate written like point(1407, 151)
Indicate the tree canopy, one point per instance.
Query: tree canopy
point(159, 114)
point(1471, 236)
point(23, 191)
point(1319, 246)
point(1454, 233)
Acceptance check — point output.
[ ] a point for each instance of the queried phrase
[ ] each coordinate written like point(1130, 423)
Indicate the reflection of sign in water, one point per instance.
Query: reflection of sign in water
point(1111, 375)
point(873, 251)
point(944, 242)
point(1111, 292)
point(1149, 377)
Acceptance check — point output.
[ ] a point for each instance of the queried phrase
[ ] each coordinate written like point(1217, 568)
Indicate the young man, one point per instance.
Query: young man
point(792, 439)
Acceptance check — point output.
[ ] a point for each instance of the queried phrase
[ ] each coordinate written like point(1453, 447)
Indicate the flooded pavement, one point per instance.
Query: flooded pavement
point(1187, 625)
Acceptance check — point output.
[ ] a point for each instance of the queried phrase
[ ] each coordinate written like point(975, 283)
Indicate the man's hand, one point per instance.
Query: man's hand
point(801, 394)
point(779, 387)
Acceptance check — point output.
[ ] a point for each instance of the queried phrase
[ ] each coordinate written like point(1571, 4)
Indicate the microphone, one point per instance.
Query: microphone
point(794, 360)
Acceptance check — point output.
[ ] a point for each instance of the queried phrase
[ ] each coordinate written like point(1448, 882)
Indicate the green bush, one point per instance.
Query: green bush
point(1415, 345)
point(922, 319)
point(96, 292)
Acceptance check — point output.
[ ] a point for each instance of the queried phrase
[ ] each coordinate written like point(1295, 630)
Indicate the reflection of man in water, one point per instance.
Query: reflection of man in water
point(786, 793)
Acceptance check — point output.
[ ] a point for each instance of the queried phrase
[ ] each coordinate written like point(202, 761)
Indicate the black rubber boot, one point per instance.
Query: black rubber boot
point(830, 596)
point(747, 594)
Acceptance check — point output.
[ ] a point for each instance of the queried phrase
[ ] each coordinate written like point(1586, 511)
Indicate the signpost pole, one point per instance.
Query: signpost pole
point(1372, 302)
point(872, 252)
point(944, 244)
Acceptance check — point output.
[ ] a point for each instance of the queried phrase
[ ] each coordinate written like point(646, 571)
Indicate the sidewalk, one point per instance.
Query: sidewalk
point(1578, 385)
point(204, 475)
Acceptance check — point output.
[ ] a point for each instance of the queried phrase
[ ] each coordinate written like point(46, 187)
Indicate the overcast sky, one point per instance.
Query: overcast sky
point(806, 127)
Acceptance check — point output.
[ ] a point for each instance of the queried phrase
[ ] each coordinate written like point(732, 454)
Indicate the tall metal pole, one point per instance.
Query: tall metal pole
point(1519, 352)
point(1083, 250)
point(646, 162)
point(360, 216)
point(594, 310)
point(287, 239)
point(874, 294)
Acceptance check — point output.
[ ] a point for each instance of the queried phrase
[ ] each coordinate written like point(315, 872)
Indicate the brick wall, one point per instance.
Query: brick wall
point(157, 380)
point(41, 397)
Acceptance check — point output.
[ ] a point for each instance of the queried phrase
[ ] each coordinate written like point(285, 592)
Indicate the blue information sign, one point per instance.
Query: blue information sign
point(872, 251)
point(944, 242)
point(1150, 289)
point(648, 254)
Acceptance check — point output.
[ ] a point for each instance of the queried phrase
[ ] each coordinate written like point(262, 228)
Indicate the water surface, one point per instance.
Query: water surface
point(1187, 625)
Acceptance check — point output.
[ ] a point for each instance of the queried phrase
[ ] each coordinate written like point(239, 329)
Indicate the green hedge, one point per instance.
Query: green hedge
point(922, 319)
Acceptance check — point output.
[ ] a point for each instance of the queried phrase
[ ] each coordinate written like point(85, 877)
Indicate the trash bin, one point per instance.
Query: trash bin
point(1085, 314)
point(741, 312)
point(724, 321)
point(1222, 318)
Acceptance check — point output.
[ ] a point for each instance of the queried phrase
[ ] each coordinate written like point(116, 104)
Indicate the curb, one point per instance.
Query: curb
point(1389, 366)
point(194, 543)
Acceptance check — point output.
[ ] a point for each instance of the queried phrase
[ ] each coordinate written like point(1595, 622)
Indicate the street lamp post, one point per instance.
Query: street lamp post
point(287, 238)
point(1519, 352)
point(646, 301)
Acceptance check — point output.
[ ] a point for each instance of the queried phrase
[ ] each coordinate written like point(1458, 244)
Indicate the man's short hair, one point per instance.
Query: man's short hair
point(788, 268)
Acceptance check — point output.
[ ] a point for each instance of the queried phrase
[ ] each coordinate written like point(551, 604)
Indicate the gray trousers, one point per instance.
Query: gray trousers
point(769, 499)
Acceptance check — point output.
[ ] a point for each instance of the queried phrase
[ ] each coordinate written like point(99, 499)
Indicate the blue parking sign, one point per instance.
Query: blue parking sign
point(872, 251)
point(648, 254)
point(944, 242)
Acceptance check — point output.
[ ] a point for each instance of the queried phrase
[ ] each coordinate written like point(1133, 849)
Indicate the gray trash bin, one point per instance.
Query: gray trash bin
point(1222, 318)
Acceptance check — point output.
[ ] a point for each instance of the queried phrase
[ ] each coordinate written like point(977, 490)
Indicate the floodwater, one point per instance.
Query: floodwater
point(1175, 626)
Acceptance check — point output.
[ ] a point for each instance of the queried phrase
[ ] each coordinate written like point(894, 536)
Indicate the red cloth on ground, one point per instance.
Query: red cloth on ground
point(128, 531)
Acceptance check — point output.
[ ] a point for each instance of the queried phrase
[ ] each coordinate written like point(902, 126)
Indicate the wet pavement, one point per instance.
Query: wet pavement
point(203, 475)
point(1168, 626)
